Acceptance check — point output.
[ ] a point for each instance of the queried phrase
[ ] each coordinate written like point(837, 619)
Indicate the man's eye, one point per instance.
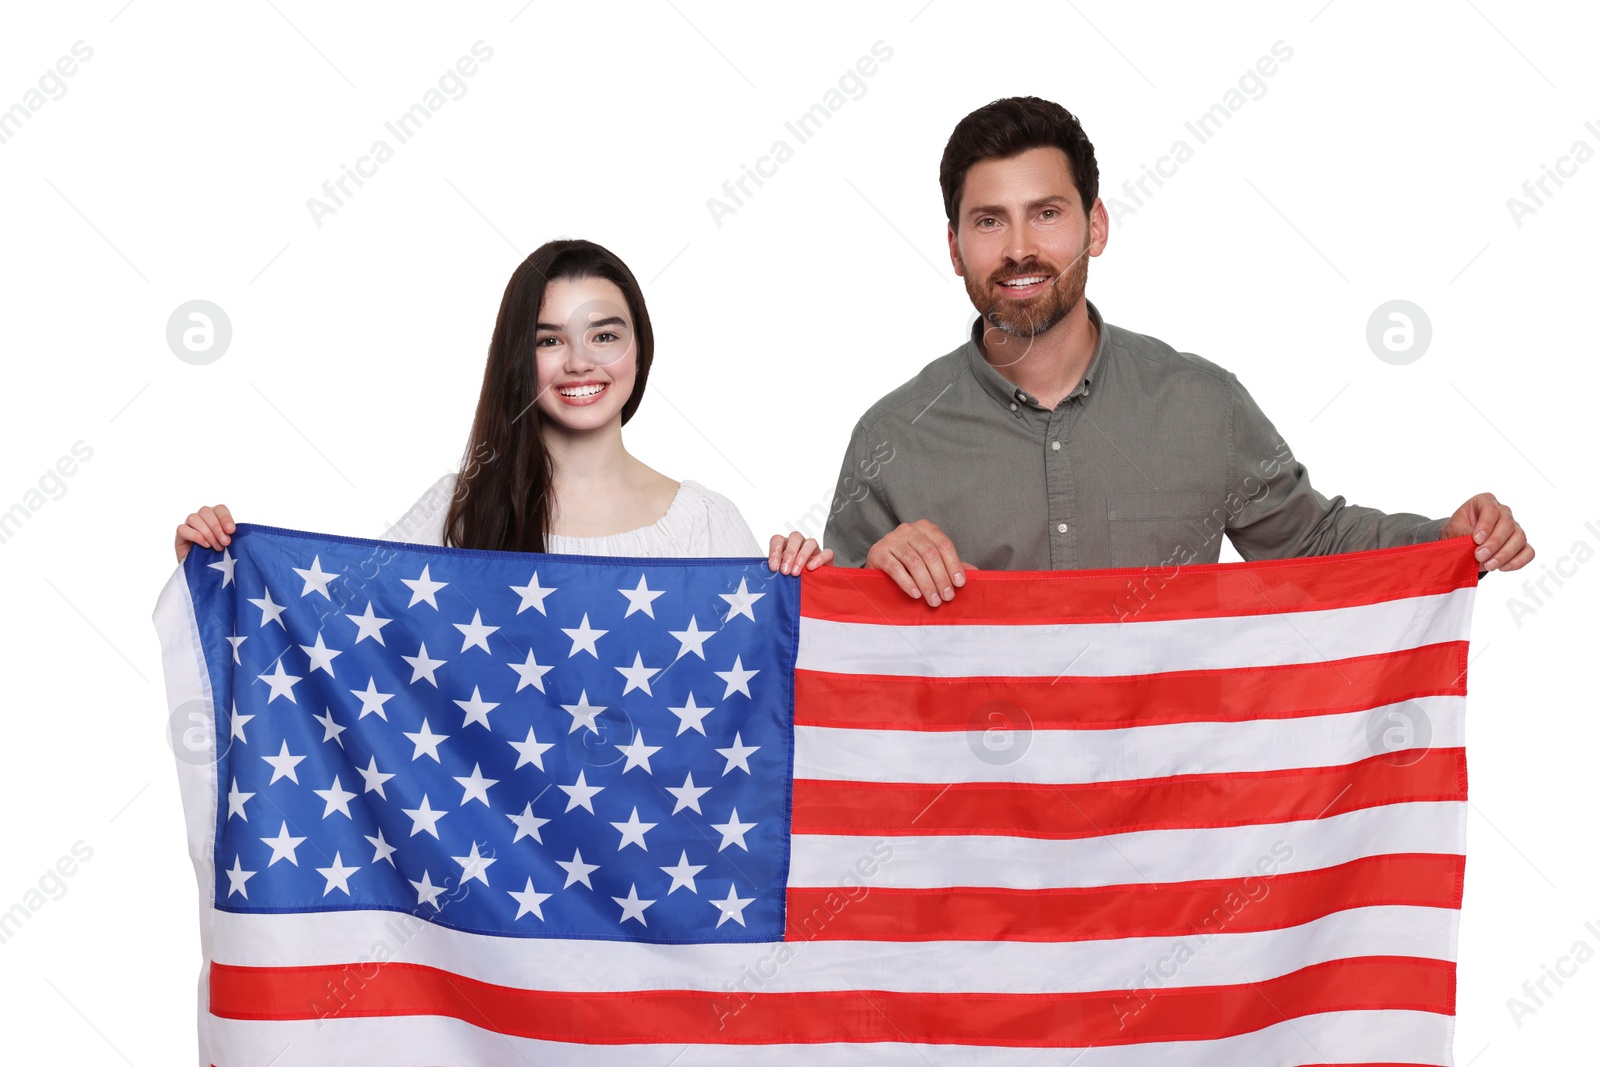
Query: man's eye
point(1049, 211)
point(982, 221)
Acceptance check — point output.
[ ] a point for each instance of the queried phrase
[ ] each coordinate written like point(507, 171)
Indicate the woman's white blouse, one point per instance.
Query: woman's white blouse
point(698, 522)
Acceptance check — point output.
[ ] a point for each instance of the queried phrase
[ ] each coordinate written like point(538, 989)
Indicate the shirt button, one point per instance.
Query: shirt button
point(1055, 446)
point(1061, 528)
point(1013, 407)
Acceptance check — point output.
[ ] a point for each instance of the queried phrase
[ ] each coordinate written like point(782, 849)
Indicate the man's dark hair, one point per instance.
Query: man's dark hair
point(1004, 128)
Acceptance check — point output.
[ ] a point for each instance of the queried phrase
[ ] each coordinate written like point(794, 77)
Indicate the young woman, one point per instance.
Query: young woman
point(545, 469)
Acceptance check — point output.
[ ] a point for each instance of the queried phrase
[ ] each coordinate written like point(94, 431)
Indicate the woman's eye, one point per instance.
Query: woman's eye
point(605, 335)
point(540, 343)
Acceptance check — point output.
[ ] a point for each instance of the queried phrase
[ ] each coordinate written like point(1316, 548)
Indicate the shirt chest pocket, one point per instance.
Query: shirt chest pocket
point(1147, 529)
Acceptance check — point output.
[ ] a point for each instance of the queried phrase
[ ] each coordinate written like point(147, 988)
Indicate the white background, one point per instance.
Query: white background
point(177, 165)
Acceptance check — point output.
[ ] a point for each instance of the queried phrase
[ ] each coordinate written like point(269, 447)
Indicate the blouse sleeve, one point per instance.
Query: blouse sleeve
point(729, 534)
point(423, 524)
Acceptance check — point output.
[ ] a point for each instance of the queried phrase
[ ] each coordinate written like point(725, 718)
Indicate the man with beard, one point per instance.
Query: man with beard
point(1052, 440)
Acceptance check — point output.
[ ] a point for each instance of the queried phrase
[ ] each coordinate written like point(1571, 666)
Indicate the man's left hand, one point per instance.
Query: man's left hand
point(1502, 545)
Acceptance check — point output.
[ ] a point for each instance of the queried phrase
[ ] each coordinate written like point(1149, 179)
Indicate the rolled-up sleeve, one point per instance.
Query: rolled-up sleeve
point(1283, 515)
point(859, 515)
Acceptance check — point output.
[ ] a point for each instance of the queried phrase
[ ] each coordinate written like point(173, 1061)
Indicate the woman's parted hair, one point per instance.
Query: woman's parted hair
point(503, 497)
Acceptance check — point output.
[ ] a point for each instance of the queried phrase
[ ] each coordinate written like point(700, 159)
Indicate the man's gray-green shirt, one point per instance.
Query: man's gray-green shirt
point(1152, 457)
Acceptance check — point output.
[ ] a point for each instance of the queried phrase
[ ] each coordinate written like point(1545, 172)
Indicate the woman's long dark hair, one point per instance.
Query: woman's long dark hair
point(503, 497)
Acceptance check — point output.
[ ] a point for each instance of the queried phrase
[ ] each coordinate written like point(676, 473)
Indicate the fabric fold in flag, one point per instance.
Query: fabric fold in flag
point(459, 807)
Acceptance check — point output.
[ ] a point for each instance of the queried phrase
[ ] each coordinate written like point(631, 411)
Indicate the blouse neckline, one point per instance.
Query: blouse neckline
point(678, 502)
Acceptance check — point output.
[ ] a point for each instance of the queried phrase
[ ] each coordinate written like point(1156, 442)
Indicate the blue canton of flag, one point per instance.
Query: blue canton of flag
point(600, 748)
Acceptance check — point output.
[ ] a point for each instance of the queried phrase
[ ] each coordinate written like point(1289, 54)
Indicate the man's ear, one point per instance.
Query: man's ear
point(1099, 227)
point(955, 251)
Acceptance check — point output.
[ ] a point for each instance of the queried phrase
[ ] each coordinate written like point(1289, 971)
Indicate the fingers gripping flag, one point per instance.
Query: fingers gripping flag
point(461, 807)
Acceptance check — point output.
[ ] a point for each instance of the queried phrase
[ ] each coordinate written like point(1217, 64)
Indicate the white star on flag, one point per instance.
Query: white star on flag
point(226, 567)
point(283, 764)
point(638, 675)
point(740, 603)
point(474, 865)
point(733, 831)
point(688, 794)
point(527, 824)
point(270, 612)
point(238, 876)
point(530, 673)
point(738, 755)
point(475, 634)
point(372, 701)
point(683, 874)
point(338, 876)
point(638, 753)
point(283, 846)
point(583, 713)
point(427, 892)
point(374, 778)
point(691, 640)
point(335, 798)
point(476, 786)
point(477, 710)
point(632, 906)
point(425, 741)
point(577, 870)
point(737, 677)
point(423, 666)
point(640, 598)
point(732, 906)
point(316, 578)
point(321, 655)
point(633, 831)
point(532, 595)
point(584, 637)
point(282, 683)
point(690, 717)
point(580, 794)
point(422, 589)
point(528, 900)
point(369, 625)
point(424, 820)
point(530, 751)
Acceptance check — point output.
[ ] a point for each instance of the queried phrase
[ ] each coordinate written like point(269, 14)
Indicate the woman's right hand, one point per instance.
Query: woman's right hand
point(211, 527)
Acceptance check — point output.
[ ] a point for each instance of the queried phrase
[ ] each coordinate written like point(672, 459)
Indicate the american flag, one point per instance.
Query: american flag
point(459, 807)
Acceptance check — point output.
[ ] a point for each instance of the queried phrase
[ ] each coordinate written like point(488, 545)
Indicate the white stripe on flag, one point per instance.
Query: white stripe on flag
point(1114, 650)
point(1078, 756)
point(1330, 1037)
point(570, 965)
point(1140, 857)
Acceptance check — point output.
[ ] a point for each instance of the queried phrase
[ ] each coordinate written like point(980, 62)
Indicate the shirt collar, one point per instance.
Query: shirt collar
point(1005, 390)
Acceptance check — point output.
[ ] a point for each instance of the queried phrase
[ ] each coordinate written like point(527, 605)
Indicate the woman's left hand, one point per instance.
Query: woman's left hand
point(790, 554)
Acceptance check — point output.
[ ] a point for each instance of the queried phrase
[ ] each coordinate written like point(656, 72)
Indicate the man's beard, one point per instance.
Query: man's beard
point(1029, 318)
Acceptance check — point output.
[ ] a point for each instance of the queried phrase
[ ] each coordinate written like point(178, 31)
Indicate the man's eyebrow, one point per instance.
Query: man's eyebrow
point(999, 209)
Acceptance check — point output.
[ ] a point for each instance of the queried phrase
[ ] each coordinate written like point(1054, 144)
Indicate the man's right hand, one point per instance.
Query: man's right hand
point(921, 560)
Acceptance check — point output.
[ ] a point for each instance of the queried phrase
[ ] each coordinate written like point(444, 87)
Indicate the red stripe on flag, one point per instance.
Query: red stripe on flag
point(1174, 909)
point(1279, 692)
point(692, 1016)
point(1266, 587)
point(1191, 801)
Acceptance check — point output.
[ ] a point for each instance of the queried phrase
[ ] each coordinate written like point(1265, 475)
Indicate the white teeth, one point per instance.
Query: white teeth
point(1022, 283)
point(581, 391)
